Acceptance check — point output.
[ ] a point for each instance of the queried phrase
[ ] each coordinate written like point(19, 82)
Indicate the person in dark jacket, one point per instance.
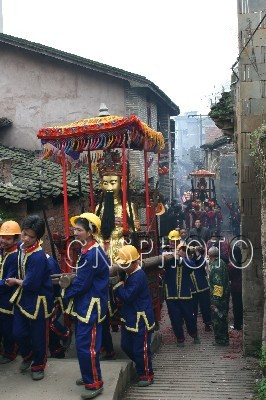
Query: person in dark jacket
point(33, 298)
point(9, 236)
point(136, 315)
point(87, 298)
point(199, 234)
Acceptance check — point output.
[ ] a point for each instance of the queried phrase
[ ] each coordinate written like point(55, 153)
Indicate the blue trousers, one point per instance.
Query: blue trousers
point(178, 311)
point(57, 332)
point(32, 336)
point(9, 349)
point(107, 341)
point(137, 346)
point(203, 300)
point(88, 344)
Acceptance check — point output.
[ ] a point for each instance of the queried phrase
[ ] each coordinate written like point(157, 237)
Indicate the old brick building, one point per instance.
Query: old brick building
point(41, 86)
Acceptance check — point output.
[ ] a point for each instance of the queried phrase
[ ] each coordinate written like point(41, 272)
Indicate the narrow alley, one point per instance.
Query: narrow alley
point(198, 372)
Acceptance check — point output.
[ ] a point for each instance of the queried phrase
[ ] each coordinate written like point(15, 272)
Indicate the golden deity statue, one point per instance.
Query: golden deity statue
point(110, 209)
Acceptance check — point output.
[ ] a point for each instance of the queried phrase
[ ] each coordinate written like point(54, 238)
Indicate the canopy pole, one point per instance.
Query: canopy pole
point(147, 197)
point(124, 187)
point(65, 195)
point(91, 183)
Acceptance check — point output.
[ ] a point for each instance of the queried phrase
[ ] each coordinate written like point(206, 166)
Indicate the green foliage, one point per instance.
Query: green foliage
point(260, 389)
point(263, 358)
point(258, 152)
point(223, 109)
point(6, 215)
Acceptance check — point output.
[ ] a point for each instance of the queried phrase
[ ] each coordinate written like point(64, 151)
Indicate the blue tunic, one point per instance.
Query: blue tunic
point(177, 279)
point(88, 293)
point(37, 286)
point(137, 311)
point(199, 275)
point(8, 268)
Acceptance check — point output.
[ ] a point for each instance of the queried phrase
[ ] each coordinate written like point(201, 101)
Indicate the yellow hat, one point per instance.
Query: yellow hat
point(160, 209)
point(127, 254)
point(174, 235)
point(90, 217)
point(10, 228)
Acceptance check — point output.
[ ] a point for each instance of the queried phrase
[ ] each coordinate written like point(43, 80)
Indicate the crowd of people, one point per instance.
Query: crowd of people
point(209, 271)
point(31, 307)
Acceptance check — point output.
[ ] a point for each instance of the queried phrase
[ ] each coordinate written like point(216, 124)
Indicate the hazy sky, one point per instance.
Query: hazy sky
point(186, 47)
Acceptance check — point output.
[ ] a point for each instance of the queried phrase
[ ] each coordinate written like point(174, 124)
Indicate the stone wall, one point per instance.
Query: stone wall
point(250, 112)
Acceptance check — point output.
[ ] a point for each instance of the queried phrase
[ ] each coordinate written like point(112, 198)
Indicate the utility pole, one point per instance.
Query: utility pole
point(200, 121)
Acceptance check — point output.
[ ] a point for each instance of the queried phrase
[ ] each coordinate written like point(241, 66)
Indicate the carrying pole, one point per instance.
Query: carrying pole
point(124, 187)
point(147, 196)
point(65, 195)
point(91, 183)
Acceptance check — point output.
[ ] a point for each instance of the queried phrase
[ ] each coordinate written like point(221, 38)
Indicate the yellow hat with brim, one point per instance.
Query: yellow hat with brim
point(174, 235)
point(127, 254)
point(10, 228)
point(90, 217)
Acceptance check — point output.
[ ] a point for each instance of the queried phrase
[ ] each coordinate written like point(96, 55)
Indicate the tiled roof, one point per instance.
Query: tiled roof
point(135, 79)
point(25, 177)
point(220, 141)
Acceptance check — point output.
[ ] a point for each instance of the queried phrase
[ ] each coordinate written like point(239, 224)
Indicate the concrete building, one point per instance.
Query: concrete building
point(41, 86)
point(249, 90)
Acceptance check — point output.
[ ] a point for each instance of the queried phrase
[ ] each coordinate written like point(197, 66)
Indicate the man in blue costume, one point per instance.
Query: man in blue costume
point(201, 295)
point(33, 298)
point(137, 315)
point(178, 294)
point(87, 298)
point(9, 236)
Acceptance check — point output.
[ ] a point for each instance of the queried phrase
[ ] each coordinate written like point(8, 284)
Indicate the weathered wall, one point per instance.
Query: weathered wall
point(37, 91)
point(250, 112)
point(54, 211)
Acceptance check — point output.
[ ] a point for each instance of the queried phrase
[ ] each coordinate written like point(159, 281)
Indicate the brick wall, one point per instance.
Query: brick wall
point(54, 211)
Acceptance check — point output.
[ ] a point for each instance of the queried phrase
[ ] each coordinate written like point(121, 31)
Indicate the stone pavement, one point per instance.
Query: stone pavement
point(59, 382)
point(195, 372)
point(198, 372)
point(60, 377)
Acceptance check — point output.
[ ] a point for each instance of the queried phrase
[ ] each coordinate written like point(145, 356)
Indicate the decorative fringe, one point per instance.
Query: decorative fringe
point(97, 134)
